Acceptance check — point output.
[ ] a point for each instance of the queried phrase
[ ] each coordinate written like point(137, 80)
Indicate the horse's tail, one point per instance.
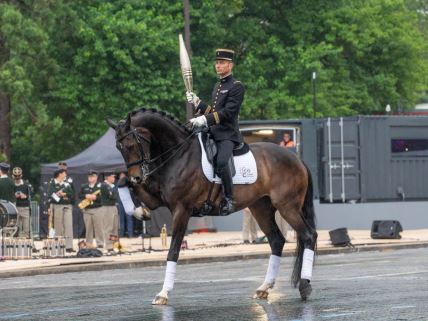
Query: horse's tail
point(309, 220)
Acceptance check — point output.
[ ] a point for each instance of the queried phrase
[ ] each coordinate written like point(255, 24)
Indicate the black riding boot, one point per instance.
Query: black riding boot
point(227, 206)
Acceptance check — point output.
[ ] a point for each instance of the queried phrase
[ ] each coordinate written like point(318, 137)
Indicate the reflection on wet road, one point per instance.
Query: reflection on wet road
point(364, 286)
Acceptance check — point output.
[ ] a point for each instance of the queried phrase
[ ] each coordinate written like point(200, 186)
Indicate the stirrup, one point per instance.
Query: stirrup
point(227, 207)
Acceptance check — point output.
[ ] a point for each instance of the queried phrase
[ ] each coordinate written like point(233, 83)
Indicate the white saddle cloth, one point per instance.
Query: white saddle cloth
point(245, 165)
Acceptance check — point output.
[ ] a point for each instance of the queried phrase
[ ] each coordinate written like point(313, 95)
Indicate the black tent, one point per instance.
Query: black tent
point(100, 156)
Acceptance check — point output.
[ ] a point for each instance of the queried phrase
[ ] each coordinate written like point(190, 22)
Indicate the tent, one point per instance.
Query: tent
point(100, 156)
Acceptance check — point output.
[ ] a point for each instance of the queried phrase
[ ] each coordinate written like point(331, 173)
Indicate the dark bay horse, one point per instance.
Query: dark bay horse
point(163, 159)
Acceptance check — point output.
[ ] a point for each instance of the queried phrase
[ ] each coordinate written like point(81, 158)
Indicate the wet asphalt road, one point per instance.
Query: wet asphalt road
point(364, 286)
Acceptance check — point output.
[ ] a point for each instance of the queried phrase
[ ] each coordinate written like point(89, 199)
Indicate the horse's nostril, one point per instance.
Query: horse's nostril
point(135, 179)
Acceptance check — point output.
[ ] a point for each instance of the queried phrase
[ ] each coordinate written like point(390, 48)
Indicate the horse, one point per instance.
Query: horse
point(163, 158)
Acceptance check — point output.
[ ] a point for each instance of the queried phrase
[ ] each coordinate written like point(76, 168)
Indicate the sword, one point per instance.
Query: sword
point(186, 68)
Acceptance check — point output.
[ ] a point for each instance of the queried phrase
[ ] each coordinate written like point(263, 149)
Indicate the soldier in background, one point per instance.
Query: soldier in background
point(7, 187)
point(93, 213)
point(60, 195)
point(108, 201)
point(68, 179)
point(23, 191)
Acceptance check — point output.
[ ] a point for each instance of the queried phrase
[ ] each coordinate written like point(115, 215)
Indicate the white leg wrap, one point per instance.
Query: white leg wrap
point(168, 284)
point(273, 269)
point(308, 261)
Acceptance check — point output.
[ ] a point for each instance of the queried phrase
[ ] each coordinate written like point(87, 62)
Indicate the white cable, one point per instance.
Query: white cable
point(308, 260)
point(273, 269)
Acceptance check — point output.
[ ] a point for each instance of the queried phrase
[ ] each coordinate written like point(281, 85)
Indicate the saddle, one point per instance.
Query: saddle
point(211, 151)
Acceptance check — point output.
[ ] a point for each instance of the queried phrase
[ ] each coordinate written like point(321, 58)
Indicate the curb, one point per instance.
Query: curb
point(95, 266)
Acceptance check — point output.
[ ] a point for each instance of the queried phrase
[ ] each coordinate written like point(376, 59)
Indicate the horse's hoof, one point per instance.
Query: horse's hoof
point(261, 295)
point(159, 300)
point(262, 292)
point(305, 289)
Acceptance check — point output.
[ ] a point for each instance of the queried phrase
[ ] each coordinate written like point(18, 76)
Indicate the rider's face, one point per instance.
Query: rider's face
point(223, 67)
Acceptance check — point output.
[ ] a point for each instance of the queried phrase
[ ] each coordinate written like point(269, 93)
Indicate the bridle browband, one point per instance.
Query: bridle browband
point(144, 161)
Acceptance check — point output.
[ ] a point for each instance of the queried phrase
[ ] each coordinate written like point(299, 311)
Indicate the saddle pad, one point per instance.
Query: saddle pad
point(245, 165)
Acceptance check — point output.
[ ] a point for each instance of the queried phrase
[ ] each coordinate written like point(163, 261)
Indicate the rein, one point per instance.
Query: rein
point(145, 162)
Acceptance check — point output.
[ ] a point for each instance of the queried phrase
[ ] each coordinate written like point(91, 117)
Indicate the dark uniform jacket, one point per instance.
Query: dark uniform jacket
point(25, 188)
point(108, 194)
point(222, 116)
point(86, 189)
point(7, 189)
point(54, 187)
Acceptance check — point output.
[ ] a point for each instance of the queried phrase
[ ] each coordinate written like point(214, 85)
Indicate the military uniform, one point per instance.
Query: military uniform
point(23, 206)
point(62, 210)
point(222, 119)
point(111, 217)
point(7, 187)
point(93, 215)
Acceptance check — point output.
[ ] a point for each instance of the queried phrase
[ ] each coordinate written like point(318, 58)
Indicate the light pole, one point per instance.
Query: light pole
point(314, 93)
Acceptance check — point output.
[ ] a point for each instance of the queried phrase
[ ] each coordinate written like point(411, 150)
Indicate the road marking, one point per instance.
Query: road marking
point(379, 275)
point(403, 307)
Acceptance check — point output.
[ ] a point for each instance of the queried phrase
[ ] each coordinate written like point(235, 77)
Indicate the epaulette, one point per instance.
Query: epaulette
point(65, 184)
point(99, 185)
point(236, 82)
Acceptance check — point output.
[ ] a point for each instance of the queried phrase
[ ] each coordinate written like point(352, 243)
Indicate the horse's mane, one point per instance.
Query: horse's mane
point(164, 115)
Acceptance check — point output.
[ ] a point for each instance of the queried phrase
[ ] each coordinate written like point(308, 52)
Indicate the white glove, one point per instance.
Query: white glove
point(192, 98)
point(200, 121)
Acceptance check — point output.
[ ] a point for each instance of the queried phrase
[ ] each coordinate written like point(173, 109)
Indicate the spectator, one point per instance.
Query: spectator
point(60, 196)
point(286, 141)
point(92, 213)
point(23, 192)
point(7, 188)
point(249, 227)
point(126, 221)
point(108, 205)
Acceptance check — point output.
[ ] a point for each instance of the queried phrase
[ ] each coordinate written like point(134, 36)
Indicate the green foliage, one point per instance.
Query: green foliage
point(67, 65)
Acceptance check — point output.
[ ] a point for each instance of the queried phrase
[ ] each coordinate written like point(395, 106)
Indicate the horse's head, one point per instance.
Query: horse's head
point(134, 145)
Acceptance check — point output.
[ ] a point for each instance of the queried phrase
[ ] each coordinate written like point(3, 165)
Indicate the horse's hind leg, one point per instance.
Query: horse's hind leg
point(304, 225)
point(264, 213)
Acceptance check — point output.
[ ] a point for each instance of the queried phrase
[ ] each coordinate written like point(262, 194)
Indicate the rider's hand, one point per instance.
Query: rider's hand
point(200, 121)
point(192, 98)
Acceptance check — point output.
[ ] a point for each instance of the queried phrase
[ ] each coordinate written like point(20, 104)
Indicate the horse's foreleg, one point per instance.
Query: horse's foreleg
point(179, 228)
point(264, 212)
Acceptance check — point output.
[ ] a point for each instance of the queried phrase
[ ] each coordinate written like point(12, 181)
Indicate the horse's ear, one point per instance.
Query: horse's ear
point(111, 123)
point(128, 121)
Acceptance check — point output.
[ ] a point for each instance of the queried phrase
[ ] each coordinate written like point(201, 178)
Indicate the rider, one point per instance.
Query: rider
point(222, 118)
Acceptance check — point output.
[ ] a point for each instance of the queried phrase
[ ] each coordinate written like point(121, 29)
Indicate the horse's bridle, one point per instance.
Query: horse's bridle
point(144, 161)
